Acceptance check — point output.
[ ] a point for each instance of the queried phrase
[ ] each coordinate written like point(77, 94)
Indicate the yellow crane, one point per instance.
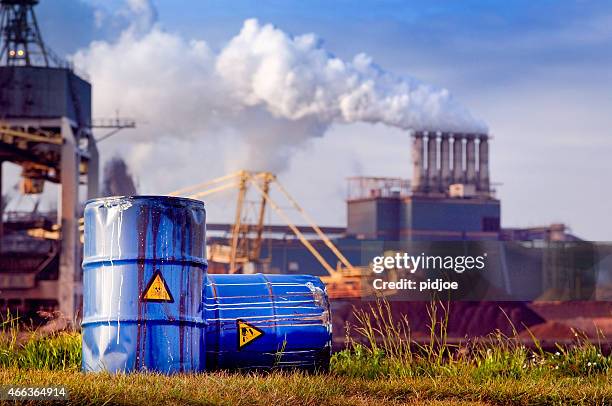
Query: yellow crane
point(344, 280)
point(241, 249)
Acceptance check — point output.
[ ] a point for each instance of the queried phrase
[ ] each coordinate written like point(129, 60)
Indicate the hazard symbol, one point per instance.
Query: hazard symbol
point(157, 290)
point(247, 333)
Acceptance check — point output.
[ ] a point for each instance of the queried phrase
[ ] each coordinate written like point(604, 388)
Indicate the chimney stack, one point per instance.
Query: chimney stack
point(458, 159)
point(483, 163)
point(470, 159)
point(445, 162)
point(448, 165)
point(418, 162)
point(432, 162)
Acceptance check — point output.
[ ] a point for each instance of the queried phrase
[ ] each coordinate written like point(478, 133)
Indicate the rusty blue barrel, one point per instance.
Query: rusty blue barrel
point(143, 269)
point(266, 321)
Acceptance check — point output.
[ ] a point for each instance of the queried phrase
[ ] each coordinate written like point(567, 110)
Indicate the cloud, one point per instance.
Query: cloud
point(540, 74)
point(295, 77)
point(268, 91)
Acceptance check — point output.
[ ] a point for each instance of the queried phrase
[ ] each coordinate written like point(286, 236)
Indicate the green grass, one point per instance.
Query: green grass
point(27, 349)
point(390, 351)
point(386, 367)
point(296, 388)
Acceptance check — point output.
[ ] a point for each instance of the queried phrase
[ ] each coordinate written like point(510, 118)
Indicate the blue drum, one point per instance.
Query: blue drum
point(266, 321)
point(143, 270)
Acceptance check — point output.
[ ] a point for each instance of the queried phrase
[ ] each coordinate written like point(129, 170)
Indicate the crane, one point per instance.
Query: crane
point(344, 280)
point(241, 249)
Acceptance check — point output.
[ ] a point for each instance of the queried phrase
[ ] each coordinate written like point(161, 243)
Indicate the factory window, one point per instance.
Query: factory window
point(490, 224)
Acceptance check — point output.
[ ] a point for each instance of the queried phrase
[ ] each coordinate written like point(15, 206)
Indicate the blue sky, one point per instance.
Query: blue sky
point(539, 73)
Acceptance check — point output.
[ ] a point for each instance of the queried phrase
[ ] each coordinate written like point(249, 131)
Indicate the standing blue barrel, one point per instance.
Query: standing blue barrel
point(266, 321)
point(143, 270)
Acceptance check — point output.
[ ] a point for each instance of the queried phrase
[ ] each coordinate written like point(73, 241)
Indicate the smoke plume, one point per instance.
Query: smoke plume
point(268, 91)
point(117, 180)
point(296, 78)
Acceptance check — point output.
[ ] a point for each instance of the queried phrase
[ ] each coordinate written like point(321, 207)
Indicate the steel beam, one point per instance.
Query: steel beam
point(69, 266)
point(93, 169)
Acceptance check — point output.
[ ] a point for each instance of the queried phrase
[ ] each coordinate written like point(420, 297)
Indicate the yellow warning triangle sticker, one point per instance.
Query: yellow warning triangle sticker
point(157, 290)
point(247, 333)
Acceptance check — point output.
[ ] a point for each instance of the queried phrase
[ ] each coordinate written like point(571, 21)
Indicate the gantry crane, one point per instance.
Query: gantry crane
point(242, 249)
point(344, 280)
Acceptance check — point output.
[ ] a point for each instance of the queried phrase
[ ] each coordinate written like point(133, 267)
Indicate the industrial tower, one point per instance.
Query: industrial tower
point(45, 127)
point(450, 196)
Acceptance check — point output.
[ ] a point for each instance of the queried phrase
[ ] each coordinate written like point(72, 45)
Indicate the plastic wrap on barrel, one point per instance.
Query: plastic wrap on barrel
point(144, 265)
point(290, 311)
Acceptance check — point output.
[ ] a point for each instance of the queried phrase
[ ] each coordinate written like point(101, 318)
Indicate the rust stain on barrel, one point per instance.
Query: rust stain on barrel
point(143, 223)
point(182, 294)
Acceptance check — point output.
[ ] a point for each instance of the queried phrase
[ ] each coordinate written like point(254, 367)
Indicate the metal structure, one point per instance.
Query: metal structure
point(23, 44)
point(243, 253)
point(113, 124)
point(240, 231)
point(144, 271)
point(436, 174)
point(367, 187)
point(45, 127)
point(150, 306)
point(242, 250)
point(449, 197)
point(266, 322)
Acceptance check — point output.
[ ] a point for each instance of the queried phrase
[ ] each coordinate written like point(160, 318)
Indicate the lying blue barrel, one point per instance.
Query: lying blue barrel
point(143, 270)
point(266, 321)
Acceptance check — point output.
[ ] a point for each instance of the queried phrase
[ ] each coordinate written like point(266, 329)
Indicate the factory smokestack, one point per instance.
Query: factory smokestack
point(470, 159)
point(117, 179)
point(458, 159)
point(432, 162)
point(445, 162)
point(483, 164)
point(418, 162)
point(437, 176)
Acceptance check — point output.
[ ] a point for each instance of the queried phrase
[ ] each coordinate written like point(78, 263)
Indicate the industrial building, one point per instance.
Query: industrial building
point(46, 127)
point(449, 198)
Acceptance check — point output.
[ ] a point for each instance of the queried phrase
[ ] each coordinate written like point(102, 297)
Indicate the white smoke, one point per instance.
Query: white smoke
point(295, 78)
point(267, 91)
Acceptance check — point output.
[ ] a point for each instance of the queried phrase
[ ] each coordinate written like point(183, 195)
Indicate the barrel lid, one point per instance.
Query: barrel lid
point(149, 198)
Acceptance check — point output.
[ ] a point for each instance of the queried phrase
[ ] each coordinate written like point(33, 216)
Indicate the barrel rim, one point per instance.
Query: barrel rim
point(99, 259)
point(147, 197)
